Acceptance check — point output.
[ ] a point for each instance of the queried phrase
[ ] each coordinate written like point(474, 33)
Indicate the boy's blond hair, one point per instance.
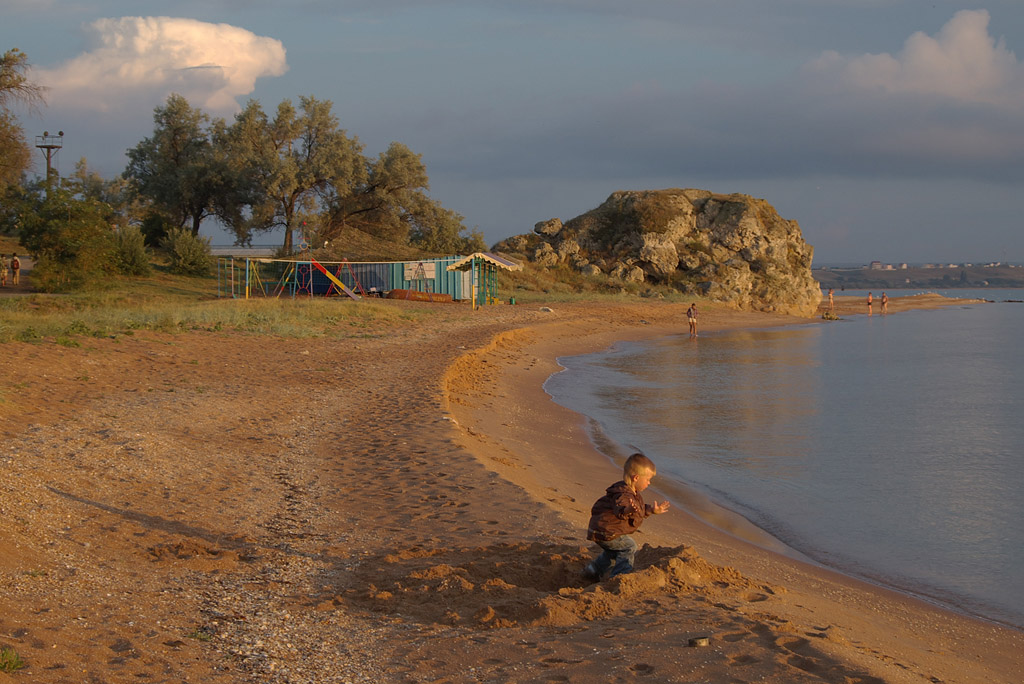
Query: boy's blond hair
point(638, 464)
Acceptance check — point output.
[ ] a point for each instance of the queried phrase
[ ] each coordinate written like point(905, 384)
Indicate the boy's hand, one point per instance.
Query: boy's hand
point(661, 507)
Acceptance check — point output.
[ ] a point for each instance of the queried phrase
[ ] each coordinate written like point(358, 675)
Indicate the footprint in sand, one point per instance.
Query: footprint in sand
point(643, 669)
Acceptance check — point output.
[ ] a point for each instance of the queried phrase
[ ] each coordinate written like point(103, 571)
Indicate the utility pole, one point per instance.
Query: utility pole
point(49, 144)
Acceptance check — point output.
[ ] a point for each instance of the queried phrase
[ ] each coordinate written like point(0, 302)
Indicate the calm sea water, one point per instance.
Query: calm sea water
point(888, 447)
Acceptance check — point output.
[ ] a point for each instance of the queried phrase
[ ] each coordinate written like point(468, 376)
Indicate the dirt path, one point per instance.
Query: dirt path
point(24, 285)
point(193, 505)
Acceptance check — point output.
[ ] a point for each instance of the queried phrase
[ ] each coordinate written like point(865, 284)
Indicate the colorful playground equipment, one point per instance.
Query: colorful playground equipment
point(334, 279)
point(457, 278)
point(248, 277)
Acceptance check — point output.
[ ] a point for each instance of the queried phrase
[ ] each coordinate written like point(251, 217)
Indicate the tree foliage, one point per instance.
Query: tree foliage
point(125, 207)
point(301, 170)
point(296, 171)
point(81, 232)
point(14, 84)
point(382, 205)
point(289, 166)
point(437, 230)
point(70, 237)
point(15, 154)
point(178, 168)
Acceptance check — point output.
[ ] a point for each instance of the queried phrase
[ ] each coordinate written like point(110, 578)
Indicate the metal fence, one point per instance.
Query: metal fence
point(259, 277)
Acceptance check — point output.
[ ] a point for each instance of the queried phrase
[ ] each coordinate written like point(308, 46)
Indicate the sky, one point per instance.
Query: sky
point(890, 130)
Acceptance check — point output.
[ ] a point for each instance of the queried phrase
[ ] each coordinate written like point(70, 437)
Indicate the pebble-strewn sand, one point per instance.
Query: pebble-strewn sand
point(404, 505)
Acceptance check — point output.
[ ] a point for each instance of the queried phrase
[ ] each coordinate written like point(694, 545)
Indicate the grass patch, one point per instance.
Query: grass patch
point(200, 634)
point(175, 304)
point(535, 284)
point(10, 661)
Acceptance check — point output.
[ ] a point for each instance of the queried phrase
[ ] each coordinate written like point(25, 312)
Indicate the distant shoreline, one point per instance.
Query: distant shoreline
point(1003, 276)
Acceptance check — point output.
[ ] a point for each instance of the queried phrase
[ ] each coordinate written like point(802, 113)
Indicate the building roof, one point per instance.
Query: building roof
point(466, 263)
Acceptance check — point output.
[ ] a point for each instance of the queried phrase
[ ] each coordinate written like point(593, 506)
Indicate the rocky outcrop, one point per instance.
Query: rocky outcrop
point(733, 248)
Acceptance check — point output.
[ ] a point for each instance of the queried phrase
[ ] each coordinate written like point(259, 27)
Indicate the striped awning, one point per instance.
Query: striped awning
point(466, 263)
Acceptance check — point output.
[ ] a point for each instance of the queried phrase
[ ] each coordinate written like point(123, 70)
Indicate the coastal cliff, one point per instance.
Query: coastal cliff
point(733, 248)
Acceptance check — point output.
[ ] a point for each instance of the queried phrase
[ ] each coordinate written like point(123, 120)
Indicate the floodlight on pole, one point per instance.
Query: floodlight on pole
point(50, 144)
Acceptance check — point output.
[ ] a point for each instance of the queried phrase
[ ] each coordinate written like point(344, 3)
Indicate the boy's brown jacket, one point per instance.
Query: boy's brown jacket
point(620, 511)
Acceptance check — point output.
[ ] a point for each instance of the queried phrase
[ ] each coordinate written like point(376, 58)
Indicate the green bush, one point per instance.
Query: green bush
point(155, 228)
point(71, 240)
point(130, 255)
point(189, 254)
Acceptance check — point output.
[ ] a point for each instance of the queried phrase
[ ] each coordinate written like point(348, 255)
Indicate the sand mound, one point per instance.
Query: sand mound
point(534, 584)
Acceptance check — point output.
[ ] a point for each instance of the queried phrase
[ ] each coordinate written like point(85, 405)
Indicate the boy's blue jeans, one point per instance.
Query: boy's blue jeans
point(619, 551)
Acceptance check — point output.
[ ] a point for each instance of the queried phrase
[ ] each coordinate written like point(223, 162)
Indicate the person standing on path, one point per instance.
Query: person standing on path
point(15, 268)
point(691, 318)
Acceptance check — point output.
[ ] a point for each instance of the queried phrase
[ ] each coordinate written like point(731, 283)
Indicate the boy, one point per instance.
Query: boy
point(617, 514)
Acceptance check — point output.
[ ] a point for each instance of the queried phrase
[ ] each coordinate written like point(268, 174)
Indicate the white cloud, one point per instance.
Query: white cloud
point(963, 63)
point(142, 58)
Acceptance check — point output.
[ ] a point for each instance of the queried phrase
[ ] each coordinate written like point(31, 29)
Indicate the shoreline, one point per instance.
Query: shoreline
point(696, 503)
point(719, 514)
point(583, 470)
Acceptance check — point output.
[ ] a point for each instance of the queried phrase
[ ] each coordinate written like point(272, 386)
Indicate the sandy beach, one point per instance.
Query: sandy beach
point(403, 505)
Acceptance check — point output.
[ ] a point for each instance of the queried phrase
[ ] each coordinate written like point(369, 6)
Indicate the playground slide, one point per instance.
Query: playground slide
point(337, 282)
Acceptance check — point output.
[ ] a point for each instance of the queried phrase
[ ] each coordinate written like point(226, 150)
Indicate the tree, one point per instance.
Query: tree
point(70, 237)
point(393, 205)
point(178, 167)
point(381, 206)
point(288, 167)
point(123, 213)
point(15, 154)
point(126, 208)
point(299, 168)
point(438, 230)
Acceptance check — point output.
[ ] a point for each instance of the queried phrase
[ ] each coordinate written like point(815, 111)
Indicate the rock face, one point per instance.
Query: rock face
point(733, 248)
